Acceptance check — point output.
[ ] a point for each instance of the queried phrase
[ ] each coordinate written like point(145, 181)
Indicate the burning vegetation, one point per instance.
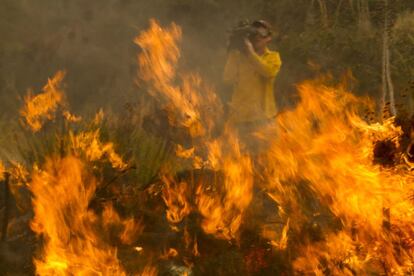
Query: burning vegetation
point(331, 194)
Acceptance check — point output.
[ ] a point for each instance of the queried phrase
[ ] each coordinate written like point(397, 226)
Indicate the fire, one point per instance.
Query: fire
point(341, 208)
point(72, 245)
point(2, 171)
point(189, 104)
point(223, 216)
point(19, 173)
point(89, 144)
point(222, 209)
point(325, 145)
point(157, 64)
point(194, 106)
point(149, 271)
point(170, 253)
point(42, 107)
point(130, 228)
point(175, 196)
point(74, 234)
point(71, 117)
point(184, 153)
point(282, 244)
point(341, 253)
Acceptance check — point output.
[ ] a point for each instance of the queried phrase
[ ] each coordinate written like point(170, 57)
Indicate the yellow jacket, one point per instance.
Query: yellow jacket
point(252, 77)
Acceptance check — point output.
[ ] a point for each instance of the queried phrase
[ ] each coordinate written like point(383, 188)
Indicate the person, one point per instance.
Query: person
point(251, 70)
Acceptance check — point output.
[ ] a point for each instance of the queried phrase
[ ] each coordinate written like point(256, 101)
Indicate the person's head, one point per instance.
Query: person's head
point(262, 35)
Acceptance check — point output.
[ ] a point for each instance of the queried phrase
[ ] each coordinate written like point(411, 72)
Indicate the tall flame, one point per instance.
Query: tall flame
point(321, 168)
point(73, 233)
point(2, 171)
point(223, 215)
point(189, 104)
point(197, 108)
point(72, 245)
point(176, 197)
point(324, 144)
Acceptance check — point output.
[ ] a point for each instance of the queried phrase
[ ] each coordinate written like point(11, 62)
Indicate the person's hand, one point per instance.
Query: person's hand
point(249, 46)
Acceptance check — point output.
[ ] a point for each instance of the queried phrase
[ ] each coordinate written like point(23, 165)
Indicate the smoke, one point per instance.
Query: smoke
point(92, 42)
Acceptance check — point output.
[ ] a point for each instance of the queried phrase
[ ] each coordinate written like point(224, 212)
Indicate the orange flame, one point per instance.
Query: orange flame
point(71, 117)
point(18, 173)
point(130, 228)
point(223, 217)
point(170, 253)
point(89, 144)
point(39, 108)
point(149, 271)
point(282, 244)
point(325, 144)
point(197, 108)
point(2, 171)
point(322, 148)
point(62, 192)
point(175, 196)
point(157, 67)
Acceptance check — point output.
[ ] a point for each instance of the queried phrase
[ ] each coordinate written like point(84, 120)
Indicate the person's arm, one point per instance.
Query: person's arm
point(267, 67)
point(230, 69)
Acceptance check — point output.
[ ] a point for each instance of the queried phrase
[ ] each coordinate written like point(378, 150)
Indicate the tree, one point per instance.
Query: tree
point(387, 84)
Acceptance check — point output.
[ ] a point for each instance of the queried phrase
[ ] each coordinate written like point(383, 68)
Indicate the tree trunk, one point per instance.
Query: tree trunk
point(351, 5)
point(364, 22)
point(337, 10)
point(387, 85)
point(310, 15)
point(5, 222)
point(324, 13)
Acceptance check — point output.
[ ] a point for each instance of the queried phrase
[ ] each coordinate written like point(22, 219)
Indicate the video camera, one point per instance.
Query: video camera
point(246, 29)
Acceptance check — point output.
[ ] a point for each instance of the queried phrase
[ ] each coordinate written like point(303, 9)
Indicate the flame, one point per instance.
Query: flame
point(130, 228)
point(184, 153)
point(149, 271)
point(282, 244)
point(223, 216)
point(323, 155)
point(2, 171)
point(71, 117)
point(170, 253)
point(189, 104)
point(223, 210)
point(195, 107)
point(99, 116)
point(138, 248)
point(157, 64)
point(195, 248)
point(89, 144)
point(175, 196)
point(18, 173)
point(39, 108)
point(325, 145)
point(62, 191)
